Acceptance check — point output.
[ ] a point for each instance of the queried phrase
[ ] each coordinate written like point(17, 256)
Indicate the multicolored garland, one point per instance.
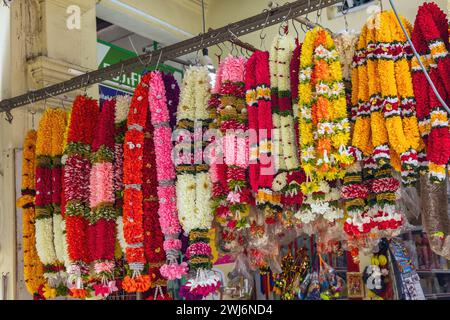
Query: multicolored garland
point(49, 236)
point(430, 37)
point(102, 222)
point(324, 127)
point(77, 170)
point(194, 185)
point(33, 269)
point(149, 96)
point(231, 192)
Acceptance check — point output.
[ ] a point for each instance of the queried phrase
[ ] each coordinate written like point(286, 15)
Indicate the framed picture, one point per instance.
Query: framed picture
point(355, 285)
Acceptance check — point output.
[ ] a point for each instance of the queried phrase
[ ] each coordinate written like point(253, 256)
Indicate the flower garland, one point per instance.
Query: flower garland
point(285, 147)
point(101, 229)
point(258, 97)
point(85, 113)
point(133, 228)
point(430, 37)
point(153, 236)
point(33, 268)
point(58, 130)
point(397, 98)
point(194, 186)
point(149, 96)
point(172, 96)
point(168, 216)
point(120, 121)
point(232, 195)
point(324, 127)
point(53, 121)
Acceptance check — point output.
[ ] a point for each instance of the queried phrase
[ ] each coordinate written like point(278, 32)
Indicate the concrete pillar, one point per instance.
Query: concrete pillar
point(42, 50)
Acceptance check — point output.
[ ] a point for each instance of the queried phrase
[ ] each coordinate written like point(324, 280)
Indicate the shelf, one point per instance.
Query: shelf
point(431, 271)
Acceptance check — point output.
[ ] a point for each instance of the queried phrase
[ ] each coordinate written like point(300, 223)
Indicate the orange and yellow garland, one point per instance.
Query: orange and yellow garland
point(33, 267)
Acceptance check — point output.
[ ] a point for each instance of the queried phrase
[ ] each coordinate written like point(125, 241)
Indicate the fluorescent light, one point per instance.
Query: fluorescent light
point(150, 17)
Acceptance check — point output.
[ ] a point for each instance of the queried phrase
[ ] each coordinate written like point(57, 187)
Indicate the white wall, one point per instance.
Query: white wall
point(4, 51)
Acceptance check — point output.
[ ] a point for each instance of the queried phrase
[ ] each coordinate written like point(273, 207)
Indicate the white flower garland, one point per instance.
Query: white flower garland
point(44, 241)
point(58, 237)
point(194, 189)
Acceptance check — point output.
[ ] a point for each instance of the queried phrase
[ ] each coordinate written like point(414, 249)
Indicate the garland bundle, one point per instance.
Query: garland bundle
point(284, 140)
point(49, 236)
point(77, 170)
point(324, 128)
point(258, 97)
point(102, 220)
point(193, 182)
point(120, 122)
point(323, 124)
point(231, 193)
point(33, 268)
point(149, 96)
point(430, 37)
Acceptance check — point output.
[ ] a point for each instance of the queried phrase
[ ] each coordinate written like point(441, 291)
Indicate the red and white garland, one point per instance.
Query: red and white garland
point(430, 37)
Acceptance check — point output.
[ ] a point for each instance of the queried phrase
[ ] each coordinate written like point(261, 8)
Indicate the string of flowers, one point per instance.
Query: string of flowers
point(287, 181)
point(153, 236)
point(193, 182)
point(393, 85)
point(102, 222)
point(33, 269)
point(120, 122)
point(261, 167)
point(133, 228)
point(58, 129)
point(168, 216)
point(232, 196)
point(430, 37)
point(85, 113)
point(324, 127)
point(45, 244)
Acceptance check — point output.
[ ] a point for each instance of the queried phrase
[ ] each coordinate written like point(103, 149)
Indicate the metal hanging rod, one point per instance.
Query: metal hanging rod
point(208, 39)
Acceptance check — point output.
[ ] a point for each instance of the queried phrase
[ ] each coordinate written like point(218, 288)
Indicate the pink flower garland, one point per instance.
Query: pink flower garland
point(168, 216)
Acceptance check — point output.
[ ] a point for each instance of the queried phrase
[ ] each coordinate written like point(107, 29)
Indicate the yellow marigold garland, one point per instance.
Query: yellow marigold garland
point(323, 123)
point(33, 268)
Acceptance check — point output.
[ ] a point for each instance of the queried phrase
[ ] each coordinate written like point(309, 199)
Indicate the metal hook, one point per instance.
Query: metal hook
point(159, 58)
point(221, 52)
point(295, 28)
point(261, 36)
point(319, 12)
point(120, 79)
point(284, 20)
point(33, 113)
point(87, 84)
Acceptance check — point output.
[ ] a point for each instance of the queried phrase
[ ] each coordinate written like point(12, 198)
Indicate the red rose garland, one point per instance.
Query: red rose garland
point(101, 230)
point(77, 169)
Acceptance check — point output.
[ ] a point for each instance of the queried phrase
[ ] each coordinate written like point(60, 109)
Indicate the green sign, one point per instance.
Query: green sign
point(109, 54)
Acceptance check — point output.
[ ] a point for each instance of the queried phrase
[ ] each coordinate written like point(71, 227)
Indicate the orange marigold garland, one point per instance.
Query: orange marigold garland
point(33, 267)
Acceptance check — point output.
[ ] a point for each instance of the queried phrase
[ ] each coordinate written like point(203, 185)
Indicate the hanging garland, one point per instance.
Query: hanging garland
point(120, 122)
point(232, 195)
point(149, 96)
point(172, 96)
point(324, 127)
point(85, 113)
point(193, 182)
point(288, 178)
point(53, 121)
point(430, 37)
point(33, 268)
point(102, 220)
